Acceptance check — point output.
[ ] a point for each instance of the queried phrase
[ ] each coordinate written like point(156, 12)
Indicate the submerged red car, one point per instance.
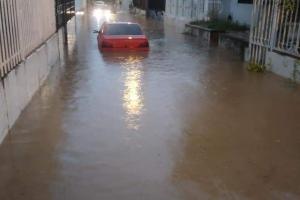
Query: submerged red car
point(122, 36)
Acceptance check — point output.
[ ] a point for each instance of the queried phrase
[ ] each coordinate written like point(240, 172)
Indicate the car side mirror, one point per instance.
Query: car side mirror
point(95, 31)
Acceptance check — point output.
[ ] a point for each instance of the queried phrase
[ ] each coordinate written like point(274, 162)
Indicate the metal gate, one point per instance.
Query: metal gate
point(275, 27)
point(65, 10)
point(24, 25)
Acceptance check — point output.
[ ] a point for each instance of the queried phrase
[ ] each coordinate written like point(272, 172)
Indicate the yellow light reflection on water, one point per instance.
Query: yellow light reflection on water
point(133, 100)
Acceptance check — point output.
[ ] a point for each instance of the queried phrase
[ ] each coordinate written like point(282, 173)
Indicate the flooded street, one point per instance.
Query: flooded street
point(183, 121)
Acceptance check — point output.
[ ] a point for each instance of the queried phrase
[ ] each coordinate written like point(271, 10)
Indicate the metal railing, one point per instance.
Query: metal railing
point(275, 26)
point(24, 25)
point(65, 10)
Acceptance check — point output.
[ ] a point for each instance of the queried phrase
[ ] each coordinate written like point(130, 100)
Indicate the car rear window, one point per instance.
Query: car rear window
point(123, 29)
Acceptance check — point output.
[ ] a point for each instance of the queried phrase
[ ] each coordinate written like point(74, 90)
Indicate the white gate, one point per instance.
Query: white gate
point(275, 27)
point(24, 25)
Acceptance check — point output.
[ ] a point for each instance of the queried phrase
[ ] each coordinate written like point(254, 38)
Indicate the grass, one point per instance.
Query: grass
point(254, 67)
point(221, 25)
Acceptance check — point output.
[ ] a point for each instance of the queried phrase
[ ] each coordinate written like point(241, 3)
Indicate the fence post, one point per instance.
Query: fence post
point(274, 26)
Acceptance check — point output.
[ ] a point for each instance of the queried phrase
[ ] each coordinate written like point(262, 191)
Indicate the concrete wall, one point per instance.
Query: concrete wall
point(19, 86)
point(283, 65)
point(239, 12)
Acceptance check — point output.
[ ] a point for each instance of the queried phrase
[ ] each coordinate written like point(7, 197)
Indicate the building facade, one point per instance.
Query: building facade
point(189, 10)
point(274, 41)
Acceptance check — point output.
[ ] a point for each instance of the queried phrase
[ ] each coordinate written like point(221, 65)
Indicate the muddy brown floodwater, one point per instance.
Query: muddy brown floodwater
point(183, 122)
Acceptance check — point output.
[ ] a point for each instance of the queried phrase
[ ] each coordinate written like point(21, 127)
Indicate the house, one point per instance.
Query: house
point(274, 40)
point(190, 10)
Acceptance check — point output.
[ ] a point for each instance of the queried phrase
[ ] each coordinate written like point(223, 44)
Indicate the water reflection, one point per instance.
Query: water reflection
point(124, 58)
point(133, 100)
point(71, 36)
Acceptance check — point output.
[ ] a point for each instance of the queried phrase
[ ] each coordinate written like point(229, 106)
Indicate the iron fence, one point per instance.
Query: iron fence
point(275, 27)
point(24, 25)
point(65, 10)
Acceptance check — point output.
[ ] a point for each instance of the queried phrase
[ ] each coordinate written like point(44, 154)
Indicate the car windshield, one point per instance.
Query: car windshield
point(123, 29)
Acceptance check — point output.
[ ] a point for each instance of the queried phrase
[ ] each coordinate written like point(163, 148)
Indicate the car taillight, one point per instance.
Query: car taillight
point(107, 45)
point(144, 45)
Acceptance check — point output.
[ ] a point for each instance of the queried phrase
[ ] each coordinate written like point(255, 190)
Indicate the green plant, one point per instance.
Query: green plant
point(254, 67)
point(289, 5)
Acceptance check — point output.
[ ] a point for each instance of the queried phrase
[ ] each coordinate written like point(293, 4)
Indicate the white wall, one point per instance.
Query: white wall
point(239, 12)
point(186, 9)
point(182, 9)
point(125, 4)
point(181, 12)
point(283, 65)
point(19, 86)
